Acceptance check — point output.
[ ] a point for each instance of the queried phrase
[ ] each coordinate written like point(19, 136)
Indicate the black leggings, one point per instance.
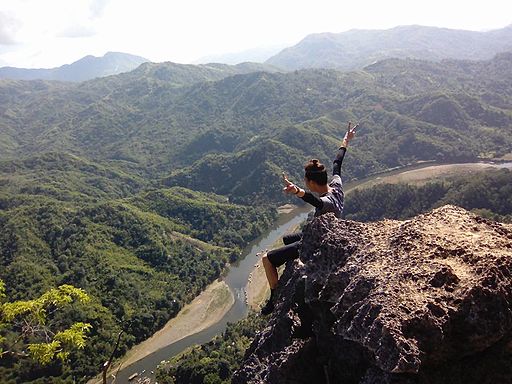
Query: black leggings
point(290, 251)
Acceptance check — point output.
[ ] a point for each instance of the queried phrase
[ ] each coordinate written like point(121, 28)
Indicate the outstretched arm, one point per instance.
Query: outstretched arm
point(351, 132)
point(306, 196)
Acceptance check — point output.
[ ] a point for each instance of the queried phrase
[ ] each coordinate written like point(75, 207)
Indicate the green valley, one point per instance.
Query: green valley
point(139, 188)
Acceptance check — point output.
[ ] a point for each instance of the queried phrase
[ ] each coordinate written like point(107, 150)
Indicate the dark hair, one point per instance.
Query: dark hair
point(315, 171)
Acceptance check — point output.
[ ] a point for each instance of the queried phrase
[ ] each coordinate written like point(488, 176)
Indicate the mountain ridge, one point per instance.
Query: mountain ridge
point(86, 68)
point(162, 119)
point(357, 48)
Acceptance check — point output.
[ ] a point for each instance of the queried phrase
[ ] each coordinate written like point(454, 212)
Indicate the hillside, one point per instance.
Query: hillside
point(172, 121)
point(141, 253)
point(140, 187)
point(357, 48)
point(88, 67)
point(488, 193)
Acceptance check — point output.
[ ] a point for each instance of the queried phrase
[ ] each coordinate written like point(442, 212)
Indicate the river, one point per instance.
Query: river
point(236, 279)
point(238, 274)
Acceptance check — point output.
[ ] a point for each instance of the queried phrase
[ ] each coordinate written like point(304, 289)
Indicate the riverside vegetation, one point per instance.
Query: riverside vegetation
point(140, 258)
point(486, 193)
point(139, 188)
point(489, 194)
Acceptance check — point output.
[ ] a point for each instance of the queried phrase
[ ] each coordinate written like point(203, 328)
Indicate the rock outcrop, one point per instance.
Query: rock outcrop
point(428, 300)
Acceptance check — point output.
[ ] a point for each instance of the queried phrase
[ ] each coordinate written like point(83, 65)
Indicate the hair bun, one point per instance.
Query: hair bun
point(315, 171)
point(317, 165)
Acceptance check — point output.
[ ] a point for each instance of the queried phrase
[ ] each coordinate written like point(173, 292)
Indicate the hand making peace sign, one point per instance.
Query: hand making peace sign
point(351, 131)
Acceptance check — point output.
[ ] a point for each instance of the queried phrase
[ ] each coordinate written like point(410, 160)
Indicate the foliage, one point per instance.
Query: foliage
point(65, 177)
point(157, 122)
point(139, 188)
point(488, 193)
point(140, 259)
point(215, 361)
point(28, 321)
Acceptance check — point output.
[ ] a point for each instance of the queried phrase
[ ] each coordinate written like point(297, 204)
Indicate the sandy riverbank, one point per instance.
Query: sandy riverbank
point(205, 310)
point(431, 173)
point(287, 208)
point(257, 286)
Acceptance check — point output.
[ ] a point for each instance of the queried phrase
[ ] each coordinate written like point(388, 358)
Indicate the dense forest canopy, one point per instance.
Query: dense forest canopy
point(141, 253)
point(488, 193)
point(139, 188)
point(160, 121)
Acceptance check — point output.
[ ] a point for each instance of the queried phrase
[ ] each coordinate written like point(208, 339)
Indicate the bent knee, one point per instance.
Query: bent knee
point(266, 261)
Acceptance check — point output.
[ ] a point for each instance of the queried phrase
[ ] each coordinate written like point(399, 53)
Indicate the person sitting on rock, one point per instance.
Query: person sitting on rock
point(330, 200)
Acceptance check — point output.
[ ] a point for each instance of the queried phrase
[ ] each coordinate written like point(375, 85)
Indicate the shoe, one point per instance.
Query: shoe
point(268, 307)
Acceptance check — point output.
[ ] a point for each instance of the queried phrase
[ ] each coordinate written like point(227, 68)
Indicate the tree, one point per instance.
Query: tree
point(26, 329)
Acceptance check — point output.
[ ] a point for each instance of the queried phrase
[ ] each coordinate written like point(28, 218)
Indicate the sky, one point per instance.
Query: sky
point(50, 33)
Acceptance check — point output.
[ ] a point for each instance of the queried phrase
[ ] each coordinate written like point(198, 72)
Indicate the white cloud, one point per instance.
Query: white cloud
point(62, 31)
point(74, 31)
point(97, 7)
point(83, 22)
point(8, 27)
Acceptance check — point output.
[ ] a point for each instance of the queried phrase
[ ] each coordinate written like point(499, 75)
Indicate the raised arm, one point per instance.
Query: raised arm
point(351, 132)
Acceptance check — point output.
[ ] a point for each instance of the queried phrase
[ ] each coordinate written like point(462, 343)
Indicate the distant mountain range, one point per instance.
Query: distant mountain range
point(88, 67)
point(237, 127)
point(355, 49)
point(256, 55)
point(111, 184)
point(351, 50)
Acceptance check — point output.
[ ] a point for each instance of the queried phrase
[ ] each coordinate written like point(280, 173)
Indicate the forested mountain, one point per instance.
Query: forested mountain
point(141, 253)
point(166, 121)
point(357, 48)
point(140, 187)
point(88, 67)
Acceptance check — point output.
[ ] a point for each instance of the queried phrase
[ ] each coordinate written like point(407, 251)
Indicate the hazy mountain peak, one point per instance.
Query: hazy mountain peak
point(257, 55)
point(86, 68)
point(357, 48)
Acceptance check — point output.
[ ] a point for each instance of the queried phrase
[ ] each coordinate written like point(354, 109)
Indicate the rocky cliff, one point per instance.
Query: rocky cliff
point(428, 300)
